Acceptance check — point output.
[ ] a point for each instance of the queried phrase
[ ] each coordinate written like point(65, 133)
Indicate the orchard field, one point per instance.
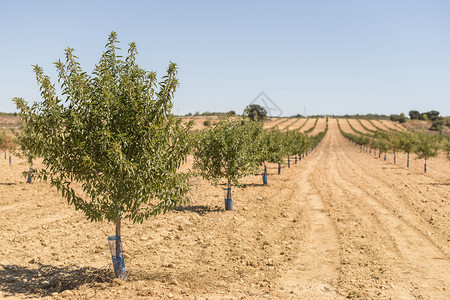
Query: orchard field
point(340, 223)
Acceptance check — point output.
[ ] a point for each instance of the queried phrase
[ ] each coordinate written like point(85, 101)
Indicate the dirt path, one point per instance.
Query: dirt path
point(386, 248)
point(339, 224)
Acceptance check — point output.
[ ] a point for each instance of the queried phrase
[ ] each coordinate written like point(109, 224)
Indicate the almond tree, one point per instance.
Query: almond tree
point(270, 149)
point(446, 146)
point(227, 151)
point(8, 144)
point(114, 134)
point(394, 142)
point(408, 142)
point(382, 146)
point(427, 146)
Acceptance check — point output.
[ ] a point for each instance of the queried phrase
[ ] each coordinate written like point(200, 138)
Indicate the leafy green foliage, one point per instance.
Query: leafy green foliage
point(438, 125)
point(313, 127)
point(7, 142)
point(27, 140)
point(227, 151)
point(414, 115)
point(271, 146)
point(255, 112)
point(114, 134)
point(407, 141)
point(398, 118)
point(446, 146)
point(427, 146)
point(2, 140)
point(394, 142)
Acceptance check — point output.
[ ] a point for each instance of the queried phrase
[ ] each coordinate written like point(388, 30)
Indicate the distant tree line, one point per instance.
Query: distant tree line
point(430, 115)
point(401, 118)
point(438, 122)
point(208, 114)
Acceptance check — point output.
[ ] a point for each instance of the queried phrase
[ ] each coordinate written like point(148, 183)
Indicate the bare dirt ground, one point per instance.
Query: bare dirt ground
point(338, 224)
point(355, 125)
point(387, 125)
point(394, 125)
point(321, 124)
point(271, 122)
point(309, 123)
point(290, 124)
point(422, 125)
point(9, 122)
point(368, 124)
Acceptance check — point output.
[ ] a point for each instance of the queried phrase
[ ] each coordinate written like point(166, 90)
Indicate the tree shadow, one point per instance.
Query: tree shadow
point(46, 279)
point(245, 185)
point(435, 183)
point(200, 209)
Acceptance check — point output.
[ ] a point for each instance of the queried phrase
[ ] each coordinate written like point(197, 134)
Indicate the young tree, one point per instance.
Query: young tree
point(408, 142)
point(270, 149)
point(289, 145)
point(114, 134)
point(227, 151)
point(27, 141)
point(393, 140)
point(382, 146)
point(8, 145)
point(446, 146)
point(427, 146)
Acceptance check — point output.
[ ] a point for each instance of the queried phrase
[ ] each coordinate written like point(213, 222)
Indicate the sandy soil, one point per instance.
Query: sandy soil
point(9, 122)
point(368, 124)
point(291, 124)
point(309, 123)
point(298, 123)
point(271, 122)
point(321, 124)
point(356, 125)
point(421, 125)
point(340, 223)
point(387, 125)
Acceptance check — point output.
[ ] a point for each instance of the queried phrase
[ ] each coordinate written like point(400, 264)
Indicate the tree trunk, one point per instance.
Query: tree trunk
point(407, 163)
point(30, 174)
point(118, 241)
point(265, 175)
point(119, 263)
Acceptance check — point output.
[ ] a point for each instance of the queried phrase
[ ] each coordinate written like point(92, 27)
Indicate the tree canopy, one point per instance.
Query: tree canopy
point(113, 133)
point(255, 112)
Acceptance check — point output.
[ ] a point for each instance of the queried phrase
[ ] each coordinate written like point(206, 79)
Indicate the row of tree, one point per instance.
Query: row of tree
point(422, 144)
point(235, 148)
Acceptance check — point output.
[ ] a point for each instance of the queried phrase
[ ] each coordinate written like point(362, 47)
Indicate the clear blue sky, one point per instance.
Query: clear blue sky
point(332, 57)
